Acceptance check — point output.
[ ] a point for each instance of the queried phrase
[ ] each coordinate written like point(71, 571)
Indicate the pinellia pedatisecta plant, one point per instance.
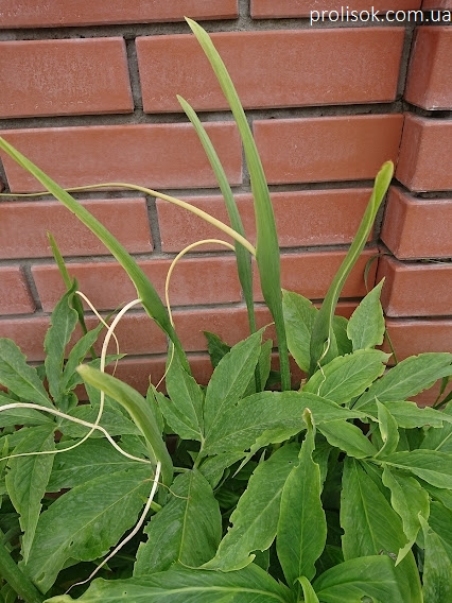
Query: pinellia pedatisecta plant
point(335, 490)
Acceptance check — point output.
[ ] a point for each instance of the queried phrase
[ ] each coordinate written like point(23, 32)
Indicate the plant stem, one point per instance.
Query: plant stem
point(16, 579)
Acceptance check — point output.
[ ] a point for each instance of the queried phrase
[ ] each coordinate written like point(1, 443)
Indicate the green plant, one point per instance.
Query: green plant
point(337, 492)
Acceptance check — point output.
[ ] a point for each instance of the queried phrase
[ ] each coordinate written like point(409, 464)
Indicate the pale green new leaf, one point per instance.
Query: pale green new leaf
point(322, 339)
point(27, 479)
point(309, 595)
point(372, 527)
point(230, 380)
point(369, 578)
point(437, 583)
point(255, 519)
point(347, 377)
point(242, 255)
point(408, 378)
point(184, 410)
point(250, 585)
point(302, 527)
point(187, 530)
point(86, 522)
point(20, 378)
point(366, 327)
point(431, 466)
point(267, 247)
point(62, 324)
point(349, 438)
point(299, 316)
point(388, 430)
point(410, 501)
point(138, 409)
point(145, 290)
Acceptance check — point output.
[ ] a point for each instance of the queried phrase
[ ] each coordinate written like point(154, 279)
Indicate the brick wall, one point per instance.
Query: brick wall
point(89, 93)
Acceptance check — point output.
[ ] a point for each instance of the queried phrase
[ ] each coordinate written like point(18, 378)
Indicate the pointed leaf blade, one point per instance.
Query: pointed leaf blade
point(366, 327)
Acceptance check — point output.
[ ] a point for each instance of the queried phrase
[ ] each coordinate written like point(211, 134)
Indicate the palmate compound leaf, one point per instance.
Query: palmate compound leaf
point(255, 519)
point(250, 585)
point(407, 379)
point(187, 530)
point(27, 479)
point(372, 527)
point(302, 527)
point(87, 521)
point(347, 377)
point(268, 418)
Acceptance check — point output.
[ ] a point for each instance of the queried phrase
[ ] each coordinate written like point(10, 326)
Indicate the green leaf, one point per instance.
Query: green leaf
point(299, 316)
point(187, 530)
point(78, 354)
point(250, 585)
point(322, 334)
point(267, 417)
point(348, 438)
point(408, 378)
point(138, 409)
point(115, 423)
point(302, 528)
point(410, 501)
point(216, 347)
point(230, 380)
point(62, 324)
point(184, 411)
point(90, 460)
point(79, 525)
point(309, 595)
point(388, 430)
point(369, 578)
point(213, 467)
point(437, 567)
point(431, 466)
point(372, 527)
point(255, 519)
point(242, 255)
point(439, 439)
point(366, 327)
point(267, 247)
point(347, 377)
point(21, 416)
point(408, 415)
point(27, 480)
point(18, 377)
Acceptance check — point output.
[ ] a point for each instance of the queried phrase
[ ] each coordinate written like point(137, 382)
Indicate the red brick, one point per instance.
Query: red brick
point(411, 289)
point(430, 73)
point(302, 8)
point(436, 4)
point(29, 13)
point(310, 274)
point(195, 281)
point(417, 228)
point(171, 65)
point(25, 226)
point(424, 163)
point(15, 297)
point(64, 77)
point(149, 155)
point(28, 333)
point(327, 148)
point(413, 337)
point(303, 218)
